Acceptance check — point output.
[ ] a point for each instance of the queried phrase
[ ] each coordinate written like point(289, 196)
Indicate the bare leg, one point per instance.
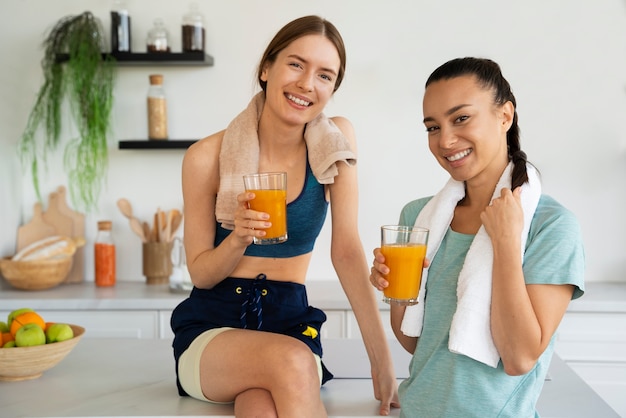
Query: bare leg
point(238, 360)
point(257, 403)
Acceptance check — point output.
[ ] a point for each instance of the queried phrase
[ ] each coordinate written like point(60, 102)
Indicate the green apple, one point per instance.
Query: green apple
point(29, 335)
point(9, 344)
point(4, 327)
point(57, 332)
point(15, 313)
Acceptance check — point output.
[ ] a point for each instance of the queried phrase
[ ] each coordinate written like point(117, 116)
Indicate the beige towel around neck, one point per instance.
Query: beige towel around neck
point(239, 155)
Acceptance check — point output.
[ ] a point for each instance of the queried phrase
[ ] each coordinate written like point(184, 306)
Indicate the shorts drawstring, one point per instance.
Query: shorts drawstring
point(253, 303)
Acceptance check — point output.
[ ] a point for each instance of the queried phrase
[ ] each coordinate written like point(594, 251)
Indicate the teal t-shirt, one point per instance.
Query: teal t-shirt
point(444, 384)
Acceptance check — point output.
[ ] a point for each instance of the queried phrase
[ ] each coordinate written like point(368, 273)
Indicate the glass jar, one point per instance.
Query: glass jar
point(158, 38)
point(157, 108)
point(104, 255)
point(193, 30)
point(120, 27)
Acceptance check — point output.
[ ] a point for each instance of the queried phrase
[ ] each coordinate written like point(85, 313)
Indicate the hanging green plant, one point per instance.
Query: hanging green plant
point(85, 80)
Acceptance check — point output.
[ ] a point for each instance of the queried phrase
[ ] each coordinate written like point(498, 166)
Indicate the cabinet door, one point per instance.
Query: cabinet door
point(106, 324)
point(165, 329)
point(353, 326)
point(335, 325)
point(592, 336)
point(594, 345)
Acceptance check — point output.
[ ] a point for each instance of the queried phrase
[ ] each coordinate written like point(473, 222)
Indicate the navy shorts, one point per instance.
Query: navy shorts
point(261, 304)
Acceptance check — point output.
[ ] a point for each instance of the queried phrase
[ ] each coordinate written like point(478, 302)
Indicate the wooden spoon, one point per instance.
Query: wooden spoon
point(127, 210)
point(177, 218)
point(125, 207)
point(146, 231)
point(135, 225)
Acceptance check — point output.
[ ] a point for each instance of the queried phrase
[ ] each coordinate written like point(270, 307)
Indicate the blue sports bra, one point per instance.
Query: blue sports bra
point(305, 218)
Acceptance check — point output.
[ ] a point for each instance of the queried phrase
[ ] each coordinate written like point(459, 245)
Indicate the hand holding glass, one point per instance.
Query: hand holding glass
point(404, 249)
point(270, 196)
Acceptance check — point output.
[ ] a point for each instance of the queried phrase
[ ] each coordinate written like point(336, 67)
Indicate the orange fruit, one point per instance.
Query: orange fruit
point(5, 337)
point(26, 318)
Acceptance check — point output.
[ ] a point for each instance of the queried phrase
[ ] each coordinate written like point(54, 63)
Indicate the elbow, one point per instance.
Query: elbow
point(518, 367)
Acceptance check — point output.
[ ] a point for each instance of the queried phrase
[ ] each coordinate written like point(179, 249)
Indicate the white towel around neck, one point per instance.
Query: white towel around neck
point(470, 332)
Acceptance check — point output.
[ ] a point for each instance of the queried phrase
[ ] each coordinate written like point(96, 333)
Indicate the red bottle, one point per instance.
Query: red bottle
point(104, 255)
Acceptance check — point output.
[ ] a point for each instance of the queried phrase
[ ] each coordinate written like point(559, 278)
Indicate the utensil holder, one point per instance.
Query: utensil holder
point(157, 262)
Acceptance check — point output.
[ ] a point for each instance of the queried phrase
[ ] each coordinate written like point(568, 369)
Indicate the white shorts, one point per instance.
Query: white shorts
point(189, 364)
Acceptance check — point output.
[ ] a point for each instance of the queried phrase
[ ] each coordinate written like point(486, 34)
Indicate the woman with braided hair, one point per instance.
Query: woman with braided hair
point(503, 260)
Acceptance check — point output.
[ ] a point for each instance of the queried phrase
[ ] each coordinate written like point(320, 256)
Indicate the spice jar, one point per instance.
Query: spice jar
point(120, 27)
point(104, 255)
point(193, 30)
point(158, 38)
point(157, 108)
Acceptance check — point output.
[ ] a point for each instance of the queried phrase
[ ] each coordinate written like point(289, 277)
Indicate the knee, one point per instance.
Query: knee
point(300, 364)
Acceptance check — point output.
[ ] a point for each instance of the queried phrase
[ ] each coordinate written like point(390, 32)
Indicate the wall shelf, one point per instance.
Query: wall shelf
point(156, 144)
point(144, 59)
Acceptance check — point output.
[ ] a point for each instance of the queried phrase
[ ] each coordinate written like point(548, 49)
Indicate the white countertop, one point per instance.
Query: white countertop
point(326, 295)
point(134, 377)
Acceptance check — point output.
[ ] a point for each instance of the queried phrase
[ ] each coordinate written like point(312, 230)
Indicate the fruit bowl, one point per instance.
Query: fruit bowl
point(24, 363)
point(36, 274)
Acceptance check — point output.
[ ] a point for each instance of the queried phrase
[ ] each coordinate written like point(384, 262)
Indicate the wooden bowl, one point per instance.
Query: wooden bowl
point(24, 363)
point(36, 274)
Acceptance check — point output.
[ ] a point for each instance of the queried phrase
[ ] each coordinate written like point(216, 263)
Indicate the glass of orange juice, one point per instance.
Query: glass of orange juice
point(270, 196)
point(404, 248)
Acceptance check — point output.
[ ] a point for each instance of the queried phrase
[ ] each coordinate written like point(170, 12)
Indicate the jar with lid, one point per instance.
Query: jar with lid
point(104, 255)
point(157, 108)
point(120, 27)
point(158, 38)
point(193, 30)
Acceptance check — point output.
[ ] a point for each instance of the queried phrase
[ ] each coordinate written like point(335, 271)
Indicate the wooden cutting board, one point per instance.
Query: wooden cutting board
point(63, 224)
point(34, 230)
point(77, 273)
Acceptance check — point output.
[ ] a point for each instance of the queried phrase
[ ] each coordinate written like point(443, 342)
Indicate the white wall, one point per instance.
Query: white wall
point(565, 60)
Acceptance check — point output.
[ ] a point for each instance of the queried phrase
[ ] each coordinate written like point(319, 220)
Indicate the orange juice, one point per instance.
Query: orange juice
point(273, 202)
point(405, 262)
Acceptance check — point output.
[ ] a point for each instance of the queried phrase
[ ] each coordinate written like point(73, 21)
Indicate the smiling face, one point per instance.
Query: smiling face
point(466, 130)
point(301, 80)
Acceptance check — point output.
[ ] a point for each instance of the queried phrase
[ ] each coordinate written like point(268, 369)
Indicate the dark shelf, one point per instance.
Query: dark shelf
point(140, 59)
point(157, 144)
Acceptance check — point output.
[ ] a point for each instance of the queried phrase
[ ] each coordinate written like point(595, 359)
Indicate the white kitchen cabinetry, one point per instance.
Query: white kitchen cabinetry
point(591, 338)
point(106, 324)
point(594, 345)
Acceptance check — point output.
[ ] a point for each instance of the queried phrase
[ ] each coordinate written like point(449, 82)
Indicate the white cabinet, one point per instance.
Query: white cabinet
point(106, 324)
point(594, 345)
point(335, 325)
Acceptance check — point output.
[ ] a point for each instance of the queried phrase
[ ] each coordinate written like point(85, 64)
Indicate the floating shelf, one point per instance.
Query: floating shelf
point(141, 59)
point(156, 144)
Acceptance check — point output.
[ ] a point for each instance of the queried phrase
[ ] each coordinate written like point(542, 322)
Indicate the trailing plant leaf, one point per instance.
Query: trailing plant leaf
point(86, 81)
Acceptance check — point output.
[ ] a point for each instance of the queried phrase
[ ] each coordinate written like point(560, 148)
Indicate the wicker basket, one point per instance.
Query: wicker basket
point(24, 363)
point(36, 274)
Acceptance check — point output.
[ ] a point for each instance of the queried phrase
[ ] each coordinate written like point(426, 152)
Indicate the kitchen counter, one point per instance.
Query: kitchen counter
point(135, 377)
point(326, 295)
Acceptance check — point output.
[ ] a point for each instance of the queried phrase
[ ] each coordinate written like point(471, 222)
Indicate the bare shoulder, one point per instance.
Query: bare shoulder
point(205, 150)
point(344, 125)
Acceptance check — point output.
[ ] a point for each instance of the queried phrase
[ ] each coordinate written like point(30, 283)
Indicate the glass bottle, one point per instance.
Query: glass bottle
point(193, 30)
point(104, 255)
point(120, 27)
point(157, 108)
point(158, 38)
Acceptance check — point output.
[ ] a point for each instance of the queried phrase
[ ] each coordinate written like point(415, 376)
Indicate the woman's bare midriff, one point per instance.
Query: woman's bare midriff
point(291, 269)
